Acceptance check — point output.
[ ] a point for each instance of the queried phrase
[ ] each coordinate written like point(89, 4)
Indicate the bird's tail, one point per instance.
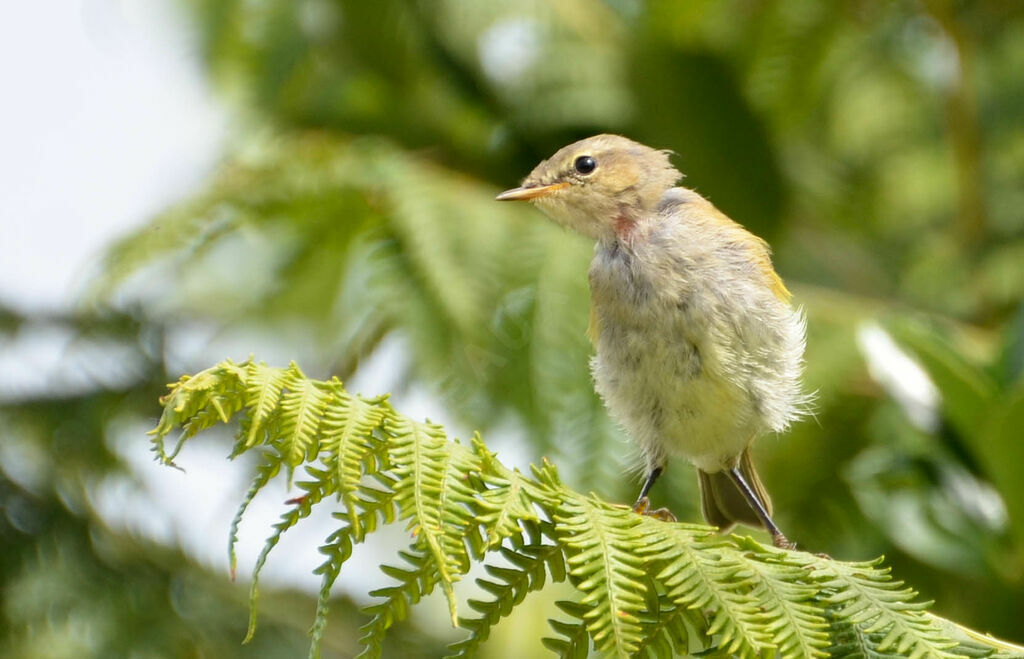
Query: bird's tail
point(722, 502)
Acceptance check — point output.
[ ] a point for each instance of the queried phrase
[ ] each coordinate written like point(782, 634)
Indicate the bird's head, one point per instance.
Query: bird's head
point(594, 185)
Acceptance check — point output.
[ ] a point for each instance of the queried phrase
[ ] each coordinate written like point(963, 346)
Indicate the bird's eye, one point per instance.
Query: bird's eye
point(585, 164)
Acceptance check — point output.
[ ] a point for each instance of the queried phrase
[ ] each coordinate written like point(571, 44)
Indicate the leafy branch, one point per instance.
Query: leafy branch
point(646, 587)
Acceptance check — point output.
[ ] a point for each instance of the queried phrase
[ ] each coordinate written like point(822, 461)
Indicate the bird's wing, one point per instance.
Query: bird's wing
point(764, 262)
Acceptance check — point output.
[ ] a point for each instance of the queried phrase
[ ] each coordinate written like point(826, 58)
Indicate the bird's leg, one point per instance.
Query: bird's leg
point(643, 504)
point(778, 539)
point(648, 484)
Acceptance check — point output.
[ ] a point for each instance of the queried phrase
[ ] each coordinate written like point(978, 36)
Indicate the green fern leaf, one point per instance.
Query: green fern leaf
point(796, 623)
point(530, 565)
point(264, 473)
point(368, 507)
point(349, 445)
point(647, 587)
point(302, 406)
point(432, 254)
point(870, 599)
point(575, 638)
point(337, 549)
point(849, 641)
point(263, 387)
point(376, 506)
point(433, 492)
point(606, 567)
point(790, 602)
point(414, 584)
point(510, 499)
point(708, 574)
point(316, 490)
point(667, 632)
point(196, 403)
point(667, 627)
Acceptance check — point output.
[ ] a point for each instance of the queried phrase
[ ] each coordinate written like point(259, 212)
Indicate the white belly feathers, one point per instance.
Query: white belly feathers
point(686, 361)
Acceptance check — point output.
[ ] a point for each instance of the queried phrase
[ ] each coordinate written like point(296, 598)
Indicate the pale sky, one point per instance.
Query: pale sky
point(105, 121)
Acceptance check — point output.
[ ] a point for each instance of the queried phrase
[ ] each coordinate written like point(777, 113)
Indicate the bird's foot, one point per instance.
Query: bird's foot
point(643, 507)
point(782, 542)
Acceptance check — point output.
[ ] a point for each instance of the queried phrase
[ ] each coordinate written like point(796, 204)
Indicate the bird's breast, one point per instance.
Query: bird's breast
point(658, 365)
point(643, 322)
point(635, 291)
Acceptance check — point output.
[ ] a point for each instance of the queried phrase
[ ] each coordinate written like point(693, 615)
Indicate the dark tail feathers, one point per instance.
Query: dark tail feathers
point(722, 502)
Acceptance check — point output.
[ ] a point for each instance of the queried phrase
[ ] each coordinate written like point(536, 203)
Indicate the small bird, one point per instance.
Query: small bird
point(699, 351)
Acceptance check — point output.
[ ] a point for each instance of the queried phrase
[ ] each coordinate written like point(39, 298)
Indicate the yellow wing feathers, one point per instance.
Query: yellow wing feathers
point(759, 250)
point(763, 260)
point(775, 281)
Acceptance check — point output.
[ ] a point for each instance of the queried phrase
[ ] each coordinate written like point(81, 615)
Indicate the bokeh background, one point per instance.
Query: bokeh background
point(313, 180)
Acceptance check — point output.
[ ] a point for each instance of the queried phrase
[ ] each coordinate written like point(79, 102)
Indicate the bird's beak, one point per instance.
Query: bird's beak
point(528, 192)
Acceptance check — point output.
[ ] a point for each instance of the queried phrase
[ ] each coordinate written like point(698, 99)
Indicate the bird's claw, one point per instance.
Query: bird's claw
point(643, 507)
point(782, 542)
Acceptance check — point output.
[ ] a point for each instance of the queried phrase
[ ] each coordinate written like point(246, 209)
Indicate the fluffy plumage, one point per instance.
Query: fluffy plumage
point(698, 349)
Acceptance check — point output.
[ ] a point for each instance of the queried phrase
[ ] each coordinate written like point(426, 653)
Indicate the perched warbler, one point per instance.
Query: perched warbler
point(698, 349)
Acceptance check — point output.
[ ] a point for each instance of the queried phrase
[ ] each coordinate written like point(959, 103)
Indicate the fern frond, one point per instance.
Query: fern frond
point(433, 493)
point(413, 585)
point(416, 213)
point(375, 507)
point(852, 641)
point(796, 620)
point(352, 447)
point(529, 567)
point(976, 644)
point(849, 641)
point(665, 632)
point(575, 638)
point(302, 406)
point(667, 628)
point(796, 623)
point(366, 508)
point(510, 499)
point(196, 403)
point(316, 490)
point(646, 587)
point(337, 549)
point(264, 473)
point(263, 386)
point(606, 568)
point(876, 604)
point(709, 574)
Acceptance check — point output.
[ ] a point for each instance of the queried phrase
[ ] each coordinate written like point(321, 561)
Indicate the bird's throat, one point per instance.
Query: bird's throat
point(624, 225)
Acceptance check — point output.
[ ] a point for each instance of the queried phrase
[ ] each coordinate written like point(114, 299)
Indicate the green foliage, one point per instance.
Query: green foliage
point(644, 585)
point(78, 584)
point(877, 145)
point(987, 417)
point(483, 293)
